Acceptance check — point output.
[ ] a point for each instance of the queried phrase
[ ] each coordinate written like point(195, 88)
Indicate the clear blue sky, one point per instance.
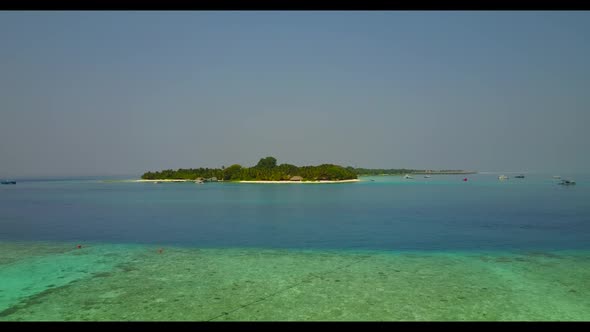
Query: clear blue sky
point(106, 93)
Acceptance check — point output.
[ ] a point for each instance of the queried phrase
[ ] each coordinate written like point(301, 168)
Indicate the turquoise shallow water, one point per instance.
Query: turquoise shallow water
point(58, 282)
point(388, 249)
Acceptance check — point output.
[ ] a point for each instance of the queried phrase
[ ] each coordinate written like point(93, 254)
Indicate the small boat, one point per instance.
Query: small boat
point(427, 176)
point(502, 177)
point(519, 176)
point(566, 182)
point(556, 177)
point(199, 181)
point(407, 176)
point(8, 182)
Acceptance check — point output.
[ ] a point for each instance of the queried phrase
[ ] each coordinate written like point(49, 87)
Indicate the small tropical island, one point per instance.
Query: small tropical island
point(268, 171)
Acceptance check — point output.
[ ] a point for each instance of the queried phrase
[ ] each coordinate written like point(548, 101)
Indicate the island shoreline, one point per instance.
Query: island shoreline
point(320, 181)
point(259, 181)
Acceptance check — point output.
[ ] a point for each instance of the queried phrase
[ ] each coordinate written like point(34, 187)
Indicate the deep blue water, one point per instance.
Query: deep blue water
point(440, 213)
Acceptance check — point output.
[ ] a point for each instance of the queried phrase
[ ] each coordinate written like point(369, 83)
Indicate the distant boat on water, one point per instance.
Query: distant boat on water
point(427, 176)
point(502, 177)
point(566, 182)
point(407, 176)
point(519, 176)
point(7, 182)
point(556, 177)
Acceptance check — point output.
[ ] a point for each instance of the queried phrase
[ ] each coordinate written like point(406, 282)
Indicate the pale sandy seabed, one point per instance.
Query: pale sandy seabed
point(101, 282)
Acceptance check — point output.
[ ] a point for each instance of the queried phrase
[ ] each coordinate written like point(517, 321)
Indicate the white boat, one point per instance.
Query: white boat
point(427, 176)
point(502, 177)
point(556, 177)
point(407, 176)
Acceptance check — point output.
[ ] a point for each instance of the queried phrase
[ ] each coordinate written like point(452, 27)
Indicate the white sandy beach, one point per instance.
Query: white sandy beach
point(164, 180)
point(323, 181)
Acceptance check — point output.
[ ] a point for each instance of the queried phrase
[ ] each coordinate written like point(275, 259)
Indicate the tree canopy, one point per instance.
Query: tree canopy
point(268, 162)
point(266, 169)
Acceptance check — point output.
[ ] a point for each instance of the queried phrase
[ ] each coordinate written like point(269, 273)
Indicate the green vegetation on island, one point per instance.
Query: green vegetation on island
point(266, 170)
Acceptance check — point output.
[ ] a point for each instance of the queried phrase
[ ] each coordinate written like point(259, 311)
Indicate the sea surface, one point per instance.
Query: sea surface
point(386, 248)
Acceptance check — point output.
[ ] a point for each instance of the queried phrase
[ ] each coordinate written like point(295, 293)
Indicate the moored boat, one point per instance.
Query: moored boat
point(566, 182)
